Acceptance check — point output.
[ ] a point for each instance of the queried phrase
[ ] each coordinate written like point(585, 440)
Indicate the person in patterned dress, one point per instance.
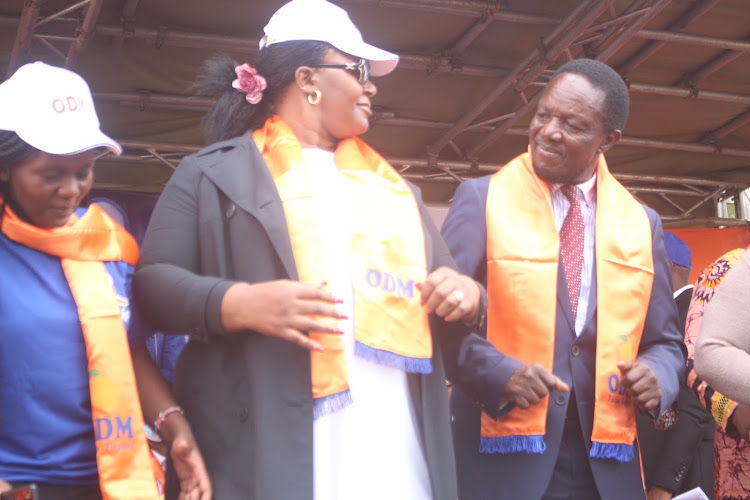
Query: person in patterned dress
point(731, 447)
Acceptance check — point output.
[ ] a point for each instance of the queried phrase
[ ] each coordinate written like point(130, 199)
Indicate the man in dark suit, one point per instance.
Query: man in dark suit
point(680, 458)
point(580, 303)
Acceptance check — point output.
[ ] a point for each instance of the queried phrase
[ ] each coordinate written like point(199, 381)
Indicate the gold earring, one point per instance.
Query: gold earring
point(314, 100)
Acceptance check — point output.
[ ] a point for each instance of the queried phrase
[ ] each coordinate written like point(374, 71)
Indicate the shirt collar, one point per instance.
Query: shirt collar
point(588, 188)
point(678, 292)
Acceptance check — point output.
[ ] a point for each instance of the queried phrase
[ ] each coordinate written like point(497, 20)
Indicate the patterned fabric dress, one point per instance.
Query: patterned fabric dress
point(731, 454)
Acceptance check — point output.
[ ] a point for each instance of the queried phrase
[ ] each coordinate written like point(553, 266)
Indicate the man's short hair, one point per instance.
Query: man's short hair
point(604, 78)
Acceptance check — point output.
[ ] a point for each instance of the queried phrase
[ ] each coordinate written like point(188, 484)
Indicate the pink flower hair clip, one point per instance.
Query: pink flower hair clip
point(249, 82)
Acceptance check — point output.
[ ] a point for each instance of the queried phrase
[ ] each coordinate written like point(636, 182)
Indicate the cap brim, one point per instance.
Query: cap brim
point(382, 68)
point(55, 144)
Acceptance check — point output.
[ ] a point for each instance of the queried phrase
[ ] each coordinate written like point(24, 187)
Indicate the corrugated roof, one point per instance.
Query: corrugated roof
point(468, 67)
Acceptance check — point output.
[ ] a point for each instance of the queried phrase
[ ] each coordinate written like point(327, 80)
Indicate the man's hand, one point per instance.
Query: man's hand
point(530, 383)
point(4, 486)
point(641, 383)
point(658, 493)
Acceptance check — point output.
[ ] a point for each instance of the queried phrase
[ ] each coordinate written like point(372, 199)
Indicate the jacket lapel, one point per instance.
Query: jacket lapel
point(563, 296)
point(241, 174)
point(592, 295)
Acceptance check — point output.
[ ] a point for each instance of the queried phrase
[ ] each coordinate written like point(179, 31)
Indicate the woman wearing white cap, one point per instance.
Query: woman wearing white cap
point(70, 419)
point(321, 302)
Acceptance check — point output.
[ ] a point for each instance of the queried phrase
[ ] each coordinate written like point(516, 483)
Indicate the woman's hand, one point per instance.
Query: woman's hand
point(187, 461)
point(741, 421)
point(156, 396)
point(451, 295)
point(4, 486)
point(282, 309)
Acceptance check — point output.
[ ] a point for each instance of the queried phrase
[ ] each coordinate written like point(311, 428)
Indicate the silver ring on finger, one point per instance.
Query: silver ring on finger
point(458, 295)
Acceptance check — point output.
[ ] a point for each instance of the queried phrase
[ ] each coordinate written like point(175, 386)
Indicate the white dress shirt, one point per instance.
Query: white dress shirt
point(560, 207)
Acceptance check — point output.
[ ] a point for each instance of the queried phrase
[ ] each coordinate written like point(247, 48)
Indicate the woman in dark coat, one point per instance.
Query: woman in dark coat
point(319, 297)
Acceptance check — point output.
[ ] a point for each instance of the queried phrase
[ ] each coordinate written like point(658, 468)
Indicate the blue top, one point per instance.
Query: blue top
point(46, 429)
point(164, 350)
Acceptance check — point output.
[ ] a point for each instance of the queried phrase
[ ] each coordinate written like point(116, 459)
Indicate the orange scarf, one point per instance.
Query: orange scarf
point(523, 250)
point(388, 258)
point(83, 245)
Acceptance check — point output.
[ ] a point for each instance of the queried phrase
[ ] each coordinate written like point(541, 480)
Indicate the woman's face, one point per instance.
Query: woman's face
point(46, 189)
point(344, 107)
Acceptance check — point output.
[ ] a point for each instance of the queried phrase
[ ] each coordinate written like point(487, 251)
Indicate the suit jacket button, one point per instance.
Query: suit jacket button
point(575, 351)
point(230, 211)
point(560, 399)
point(244, 413)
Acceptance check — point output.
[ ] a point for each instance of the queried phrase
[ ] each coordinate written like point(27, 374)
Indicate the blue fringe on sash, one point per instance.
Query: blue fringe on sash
point(331, 404)
point(513, 444)
point(387, 358)
point(620, 452)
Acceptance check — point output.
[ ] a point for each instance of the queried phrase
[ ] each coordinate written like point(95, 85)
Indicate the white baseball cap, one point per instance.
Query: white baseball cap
point(51, 109)
point(325, 22)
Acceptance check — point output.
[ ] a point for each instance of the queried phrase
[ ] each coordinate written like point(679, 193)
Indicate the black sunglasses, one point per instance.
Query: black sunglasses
point(360, 68)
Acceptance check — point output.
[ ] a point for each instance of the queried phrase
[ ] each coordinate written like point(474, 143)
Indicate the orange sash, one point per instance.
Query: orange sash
point(523, 249)
point(388, 258)
point(83, 245)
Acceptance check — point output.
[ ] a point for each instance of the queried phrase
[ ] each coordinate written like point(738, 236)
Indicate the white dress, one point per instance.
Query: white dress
point(369, 450)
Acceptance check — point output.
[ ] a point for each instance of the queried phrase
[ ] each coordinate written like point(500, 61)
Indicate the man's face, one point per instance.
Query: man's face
point(567, 132)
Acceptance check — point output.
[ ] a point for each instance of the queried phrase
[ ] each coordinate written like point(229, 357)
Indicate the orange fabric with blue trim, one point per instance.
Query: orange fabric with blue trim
point(83, 245)
point(523, 251)
point(388, 256)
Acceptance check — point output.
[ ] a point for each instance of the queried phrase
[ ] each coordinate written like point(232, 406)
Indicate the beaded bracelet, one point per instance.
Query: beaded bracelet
point(164, 414)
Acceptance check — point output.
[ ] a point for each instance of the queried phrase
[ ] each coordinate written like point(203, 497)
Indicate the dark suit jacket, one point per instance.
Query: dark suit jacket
point(681, 457)
point(249, 396)
point(524, 476)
